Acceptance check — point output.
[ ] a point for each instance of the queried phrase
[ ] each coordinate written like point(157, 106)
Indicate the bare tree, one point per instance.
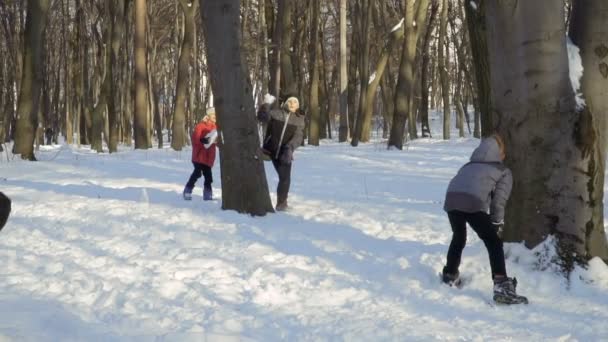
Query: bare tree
point(245, 193)
point(29, 95)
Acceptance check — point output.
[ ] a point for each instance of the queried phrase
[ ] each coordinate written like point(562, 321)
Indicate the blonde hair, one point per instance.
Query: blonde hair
point(499, 141)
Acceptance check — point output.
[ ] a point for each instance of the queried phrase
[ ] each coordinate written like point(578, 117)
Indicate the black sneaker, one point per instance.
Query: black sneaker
point(504, 292)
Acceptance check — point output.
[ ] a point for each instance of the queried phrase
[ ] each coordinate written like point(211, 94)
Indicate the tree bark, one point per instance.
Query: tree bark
point(178, 128)
point(344, 132)
point(243, 192)
point(424, 74)
point(140, 120)
point(443, 63)
point(550, 144)
point(365, 14)
point(476, 24)
point(589, 31)
point(315, 115)
point(31, 79)
point(415, 17)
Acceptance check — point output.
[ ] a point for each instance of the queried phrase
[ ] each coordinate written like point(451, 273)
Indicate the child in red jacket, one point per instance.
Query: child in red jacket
point(203, 155)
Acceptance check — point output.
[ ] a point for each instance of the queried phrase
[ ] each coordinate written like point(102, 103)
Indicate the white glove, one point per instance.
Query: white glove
point(211, 138)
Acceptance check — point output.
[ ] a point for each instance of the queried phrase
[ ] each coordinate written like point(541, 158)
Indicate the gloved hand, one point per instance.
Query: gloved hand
point(498, 226)
point(204, 140)
point(286, 154)
point(263, 113)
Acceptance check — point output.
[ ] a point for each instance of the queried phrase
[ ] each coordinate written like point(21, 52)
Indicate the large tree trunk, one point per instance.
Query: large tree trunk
point(550, 144)
point(179, 117)
point(140, 120)
point(589, 31)
point(243, 192)
point(31, 79)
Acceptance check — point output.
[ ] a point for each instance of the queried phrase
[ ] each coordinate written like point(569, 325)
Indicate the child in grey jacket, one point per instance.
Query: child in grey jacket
point(482, 185)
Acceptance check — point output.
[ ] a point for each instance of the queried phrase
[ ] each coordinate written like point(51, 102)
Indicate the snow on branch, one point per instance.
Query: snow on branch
point(398, 26)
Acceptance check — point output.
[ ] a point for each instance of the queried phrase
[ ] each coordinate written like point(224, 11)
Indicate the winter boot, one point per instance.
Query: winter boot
point(452, 279)
point(504, 291)
point(282, 206)
point(207, 193)
point(187, 193)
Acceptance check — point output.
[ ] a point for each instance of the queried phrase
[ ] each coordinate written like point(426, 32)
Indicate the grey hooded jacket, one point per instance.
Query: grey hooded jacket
point(482, 184)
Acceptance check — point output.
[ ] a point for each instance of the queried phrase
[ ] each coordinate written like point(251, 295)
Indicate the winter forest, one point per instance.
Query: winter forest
point(107, 106)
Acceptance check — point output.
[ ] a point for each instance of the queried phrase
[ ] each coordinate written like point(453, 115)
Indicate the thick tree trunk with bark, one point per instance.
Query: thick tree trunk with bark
point(550, 143)
point(589, 31)
point(244, 192)
point(31, 79)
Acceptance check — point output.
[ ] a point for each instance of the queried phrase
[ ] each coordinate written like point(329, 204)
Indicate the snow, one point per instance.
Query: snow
point(102, 247)
point(372, 77)
point(398, 26)
point(473, 5)
point(269, 99)
point(576, 71)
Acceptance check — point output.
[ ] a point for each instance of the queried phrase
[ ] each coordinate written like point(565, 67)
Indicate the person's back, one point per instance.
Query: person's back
point(483, 185)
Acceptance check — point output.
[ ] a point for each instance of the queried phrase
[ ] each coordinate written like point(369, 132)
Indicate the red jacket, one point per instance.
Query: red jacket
point(200, 154)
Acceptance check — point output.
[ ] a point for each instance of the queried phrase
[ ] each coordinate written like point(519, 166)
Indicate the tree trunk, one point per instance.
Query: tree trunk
point(283, 79)
point(443, 63)
point(31, 79)
point(343, 96)
point(118, 30)
point(245, 193)
point(589, 31)
point(315, 115)
point(424, 73)
point(140, 120)
point(365, 14)
point(476, 23)
point(415, 17)
point(550, 144)
point(179, 117)
point(394, 37)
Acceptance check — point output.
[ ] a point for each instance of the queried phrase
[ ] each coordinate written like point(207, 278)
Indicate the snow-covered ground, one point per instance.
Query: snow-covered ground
point(103, 248)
